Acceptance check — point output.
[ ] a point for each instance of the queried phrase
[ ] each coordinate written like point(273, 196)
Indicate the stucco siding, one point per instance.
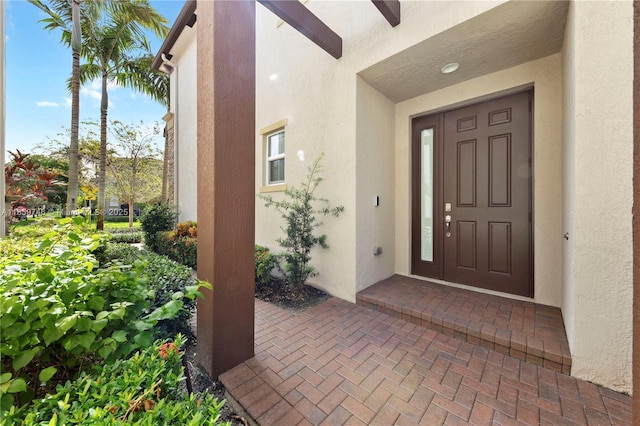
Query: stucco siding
point(184, 97)
point(312, 91)
point(375, 180)
point(598, 143)
point(321, 98)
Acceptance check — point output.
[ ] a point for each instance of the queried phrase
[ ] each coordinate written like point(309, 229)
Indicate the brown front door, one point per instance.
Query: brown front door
point(472, 195)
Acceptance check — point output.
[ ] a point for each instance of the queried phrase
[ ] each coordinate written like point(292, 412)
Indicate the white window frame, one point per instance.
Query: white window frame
point(270, 159)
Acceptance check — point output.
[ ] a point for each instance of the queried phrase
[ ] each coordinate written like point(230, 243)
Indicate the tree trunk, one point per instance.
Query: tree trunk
point(102, 167)
point(131, 212)
point(72, 187)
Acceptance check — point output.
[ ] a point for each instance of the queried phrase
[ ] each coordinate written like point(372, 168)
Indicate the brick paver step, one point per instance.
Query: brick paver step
point(525, 330)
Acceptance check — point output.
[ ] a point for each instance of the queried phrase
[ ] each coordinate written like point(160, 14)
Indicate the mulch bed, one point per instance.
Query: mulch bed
point(278, 292)
point(281, 293)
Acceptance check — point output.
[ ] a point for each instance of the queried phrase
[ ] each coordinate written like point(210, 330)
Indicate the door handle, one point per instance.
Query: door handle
point(447, 223)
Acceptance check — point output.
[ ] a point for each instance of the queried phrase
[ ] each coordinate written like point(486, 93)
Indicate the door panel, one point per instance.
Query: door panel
point(482, 157)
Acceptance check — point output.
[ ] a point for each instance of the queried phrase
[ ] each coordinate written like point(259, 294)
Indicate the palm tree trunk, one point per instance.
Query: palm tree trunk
point(102, 167)
point(72, 187)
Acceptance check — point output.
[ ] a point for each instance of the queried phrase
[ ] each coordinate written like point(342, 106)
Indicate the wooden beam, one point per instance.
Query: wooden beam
point(390, 9)
point(226, 181)
point(302, 19)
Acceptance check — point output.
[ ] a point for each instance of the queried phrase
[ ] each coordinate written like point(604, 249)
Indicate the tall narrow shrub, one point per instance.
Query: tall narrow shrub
point(299, 210)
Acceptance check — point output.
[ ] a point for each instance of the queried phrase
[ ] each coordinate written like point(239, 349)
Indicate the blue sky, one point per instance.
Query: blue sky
point(37, 69)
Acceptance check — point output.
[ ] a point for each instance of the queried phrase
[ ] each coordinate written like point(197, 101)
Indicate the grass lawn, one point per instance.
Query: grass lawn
point(119, 225)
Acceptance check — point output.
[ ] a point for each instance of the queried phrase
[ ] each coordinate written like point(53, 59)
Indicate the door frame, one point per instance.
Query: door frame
point(435, 119)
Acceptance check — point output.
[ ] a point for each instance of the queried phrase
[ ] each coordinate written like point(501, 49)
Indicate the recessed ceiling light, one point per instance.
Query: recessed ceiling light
point(449, 68)
point(273, 77)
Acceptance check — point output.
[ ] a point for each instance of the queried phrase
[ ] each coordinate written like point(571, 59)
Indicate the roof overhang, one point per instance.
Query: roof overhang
point(507, 35)
point(187, 17)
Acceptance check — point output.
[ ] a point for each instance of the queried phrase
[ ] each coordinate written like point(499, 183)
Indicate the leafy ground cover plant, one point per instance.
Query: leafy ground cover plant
point(60, 310)
point(299, 210)
point(142, 390)
point(165, 277)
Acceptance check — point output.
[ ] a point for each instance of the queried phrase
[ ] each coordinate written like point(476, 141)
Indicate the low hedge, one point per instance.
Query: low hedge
point(127, 237)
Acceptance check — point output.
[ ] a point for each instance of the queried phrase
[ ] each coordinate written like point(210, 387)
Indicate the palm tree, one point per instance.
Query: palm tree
point(66, 16)
point(110, 46)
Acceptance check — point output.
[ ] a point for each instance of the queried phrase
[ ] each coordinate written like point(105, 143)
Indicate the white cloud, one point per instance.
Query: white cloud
point(94, 90)
point(47, 104)
point(95, 94)
point(67, 101)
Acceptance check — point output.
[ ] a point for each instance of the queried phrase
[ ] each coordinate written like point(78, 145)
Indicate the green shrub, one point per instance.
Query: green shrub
point(58, 310)
point(165, 277)
point(180, 244)
point(299, 211)
point(180, 249)
point(141, 390)
point(127, 237)
point(265, 262)
point(155, 219)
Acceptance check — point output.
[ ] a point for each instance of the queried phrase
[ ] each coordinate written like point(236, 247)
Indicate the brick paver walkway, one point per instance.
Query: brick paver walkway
point(338, 363)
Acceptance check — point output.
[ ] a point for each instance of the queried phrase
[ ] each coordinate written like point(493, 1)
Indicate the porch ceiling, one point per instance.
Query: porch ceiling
point(512, 33)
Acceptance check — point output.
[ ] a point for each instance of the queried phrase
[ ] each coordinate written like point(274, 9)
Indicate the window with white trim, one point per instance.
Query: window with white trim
point(275, 157)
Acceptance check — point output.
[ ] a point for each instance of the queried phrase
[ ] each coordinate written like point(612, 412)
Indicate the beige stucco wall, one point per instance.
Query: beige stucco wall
point(375, 177)
point(328, 109)
point(184, 97)
point(598, 135)
point(318, 101)
point(545, 75)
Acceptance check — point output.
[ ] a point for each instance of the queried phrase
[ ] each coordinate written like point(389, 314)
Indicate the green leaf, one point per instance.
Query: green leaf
point(44, 244)
point(66, 323)
point(102, 315)
point(6, 400)
point(142, 325)
point(18, 329)
point(98, 325)
point(46, 273)
point(4, 377)
point(51, 335)
point(96, 303)
point(17, 385)
point(143, 339)
point(85, 339)
point(46, 374)
point(74, 237)
point(120, 336)
point(24, 358)
point(84, 324)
